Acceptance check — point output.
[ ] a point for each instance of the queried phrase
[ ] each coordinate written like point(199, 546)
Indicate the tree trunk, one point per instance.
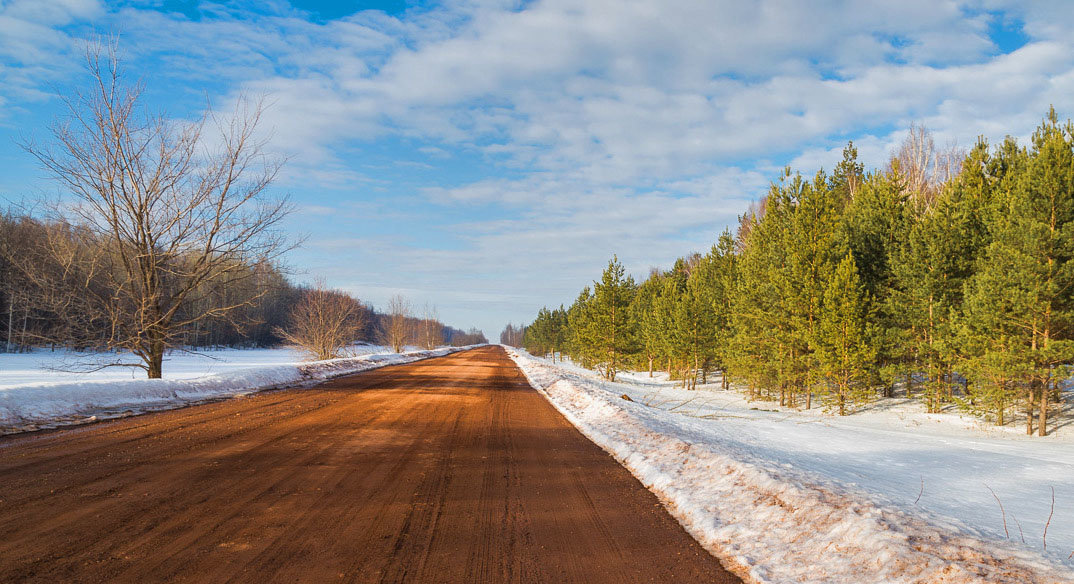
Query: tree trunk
point(999, 414)
point(156, 364)
point(1042, 423)
point(10, 322)
point(155, 356)
point(842, 400)
point(1029, 411)
point(22, 338)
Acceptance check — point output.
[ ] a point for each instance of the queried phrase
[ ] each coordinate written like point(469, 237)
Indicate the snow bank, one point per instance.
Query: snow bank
point(780, 519)
point(55, 403)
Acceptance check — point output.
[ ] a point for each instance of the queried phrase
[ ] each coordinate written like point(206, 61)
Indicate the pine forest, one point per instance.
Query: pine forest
point(947, 277)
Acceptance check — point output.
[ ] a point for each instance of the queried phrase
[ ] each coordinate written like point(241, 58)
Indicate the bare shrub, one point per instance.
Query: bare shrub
point(324, 322)
point(431, 329)
point(397, 323)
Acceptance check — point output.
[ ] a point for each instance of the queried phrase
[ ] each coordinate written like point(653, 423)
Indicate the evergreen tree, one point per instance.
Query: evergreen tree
point(848, 176)
point(538, 337)
point(580, 342)
point(811, 256)
point(605, 326)
point(647, 324)
point(712, 283)
point(877, 221)
point(559, 331)
point(989, 335)
point(845, 351)
point(684, 316)
point(930, 269)
point(758, 345)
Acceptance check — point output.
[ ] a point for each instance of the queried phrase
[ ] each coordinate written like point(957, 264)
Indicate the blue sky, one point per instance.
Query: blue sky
point(488, 157)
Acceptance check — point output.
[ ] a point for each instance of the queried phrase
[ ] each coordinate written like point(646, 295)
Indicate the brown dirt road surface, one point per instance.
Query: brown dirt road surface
point(446, 470)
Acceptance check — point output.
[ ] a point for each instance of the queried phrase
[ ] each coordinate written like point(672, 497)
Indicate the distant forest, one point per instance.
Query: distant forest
point(948, 276)
point(43, 288)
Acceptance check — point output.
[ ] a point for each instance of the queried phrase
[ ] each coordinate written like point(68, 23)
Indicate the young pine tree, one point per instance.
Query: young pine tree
point(712, 284)
point(643, 314)
point(580, 343)
point(607, 328)
point(844, 339)
point(811, 258)
point(759, 347)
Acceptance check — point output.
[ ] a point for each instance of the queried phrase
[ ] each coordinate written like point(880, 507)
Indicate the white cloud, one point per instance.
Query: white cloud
point(636, 127)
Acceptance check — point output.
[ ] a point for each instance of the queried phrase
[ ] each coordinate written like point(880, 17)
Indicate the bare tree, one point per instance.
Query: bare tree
point(432, 331)
point(924, 168)
point(396, 328)
point(473, 336)
point(949, 163)
point(916, 157)
point(513, 335)
point(176, 211)
point(324, 322)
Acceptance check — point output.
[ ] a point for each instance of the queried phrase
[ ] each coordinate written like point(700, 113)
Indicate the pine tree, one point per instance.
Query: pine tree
point(877, 221)
point(759, 345)
point(930, 269)
point(712, 283)
point(671, 323)
point(643, 314)
point(580, 342)
point(605, 326)
point(811, 256)
point(848, 176)
point(560, 329)
point(844, 345)
point(539, 336)
point(989, 340)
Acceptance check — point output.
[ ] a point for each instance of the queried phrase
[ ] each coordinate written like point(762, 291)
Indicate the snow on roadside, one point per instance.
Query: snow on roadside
point(781, 519)
point(57, 403)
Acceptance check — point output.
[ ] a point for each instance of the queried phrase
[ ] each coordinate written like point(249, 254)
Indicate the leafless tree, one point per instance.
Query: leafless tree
point(396, 325)
point(916, 157)
point(924, 168)
point(176, 210)
point(432, 330)
point(949, 163)
point(513, 335)
point(473, 336)
point(324, 322)
point(41, 283)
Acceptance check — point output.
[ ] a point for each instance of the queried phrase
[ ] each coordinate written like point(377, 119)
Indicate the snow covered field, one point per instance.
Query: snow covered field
point(34, 395)
point(888, 495)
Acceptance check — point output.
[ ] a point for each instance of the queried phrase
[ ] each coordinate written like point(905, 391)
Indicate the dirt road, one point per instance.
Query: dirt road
point(446, 470)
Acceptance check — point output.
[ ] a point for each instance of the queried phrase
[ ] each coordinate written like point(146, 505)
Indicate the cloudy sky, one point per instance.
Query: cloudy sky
point(490, 156)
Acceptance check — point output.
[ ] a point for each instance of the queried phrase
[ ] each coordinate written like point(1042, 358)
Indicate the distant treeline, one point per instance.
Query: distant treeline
point(43, 287)
point(949, 275)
